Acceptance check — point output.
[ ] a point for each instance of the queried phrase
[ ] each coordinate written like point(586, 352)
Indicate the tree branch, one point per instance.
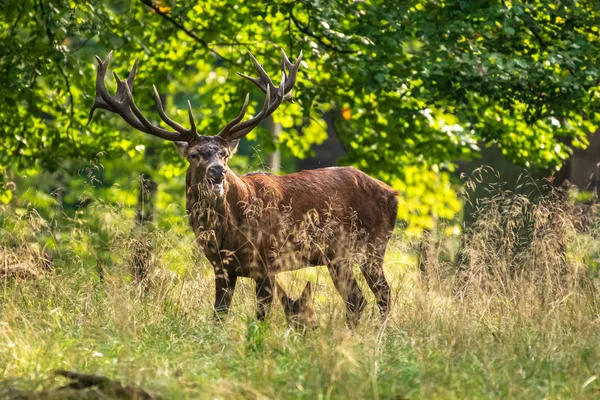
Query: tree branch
point(319, 39)
point(52, 39)
point(541, 42)
point(71, 100)
point(189, 33)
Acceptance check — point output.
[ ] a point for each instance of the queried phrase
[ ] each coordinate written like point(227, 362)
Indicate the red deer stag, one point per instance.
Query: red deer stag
point(258, 225)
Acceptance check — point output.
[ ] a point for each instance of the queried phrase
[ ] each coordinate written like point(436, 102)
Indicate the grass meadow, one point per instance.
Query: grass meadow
point(518, 319)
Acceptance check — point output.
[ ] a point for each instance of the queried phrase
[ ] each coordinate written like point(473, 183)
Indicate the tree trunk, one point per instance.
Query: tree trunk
point(274, 159)
point(144, 215)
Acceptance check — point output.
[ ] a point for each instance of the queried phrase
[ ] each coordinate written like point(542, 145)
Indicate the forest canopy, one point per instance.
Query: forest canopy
point(414, 86)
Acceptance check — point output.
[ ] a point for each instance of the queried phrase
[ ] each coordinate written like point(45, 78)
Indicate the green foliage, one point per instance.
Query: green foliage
point(421, 83)
point(417, 84)
point(424, 197)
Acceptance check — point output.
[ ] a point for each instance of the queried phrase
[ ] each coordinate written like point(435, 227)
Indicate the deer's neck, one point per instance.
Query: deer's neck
point(210, 215)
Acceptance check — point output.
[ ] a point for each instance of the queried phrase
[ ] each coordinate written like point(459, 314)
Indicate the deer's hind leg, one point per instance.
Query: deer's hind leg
point(345, 283)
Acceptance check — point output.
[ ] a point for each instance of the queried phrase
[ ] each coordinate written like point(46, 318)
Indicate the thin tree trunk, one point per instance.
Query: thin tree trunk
point(274, 159)
point(144, 215)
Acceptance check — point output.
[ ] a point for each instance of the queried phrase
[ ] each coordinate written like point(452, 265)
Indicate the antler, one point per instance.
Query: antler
point(274, 96)
point(122, 103)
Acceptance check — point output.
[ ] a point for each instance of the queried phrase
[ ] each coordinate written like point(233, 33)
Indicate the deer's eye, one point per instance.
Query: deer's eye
point(194, 156)
point(222, 154)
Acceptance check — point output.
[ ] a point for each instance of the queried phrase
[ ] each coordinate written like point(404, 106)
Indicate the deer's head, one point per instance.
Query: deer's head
point(207, 155)
point(299, 313)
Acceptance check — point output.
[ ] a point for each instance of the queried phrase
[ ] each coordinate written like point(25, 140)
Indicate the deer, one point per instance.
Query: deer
point(260, 224)
point(299, 313)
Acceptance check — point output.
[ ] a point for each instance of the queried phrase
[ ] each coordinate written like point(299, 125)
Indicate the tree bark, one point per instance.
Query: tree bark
point(274, 159)
point(144, 216)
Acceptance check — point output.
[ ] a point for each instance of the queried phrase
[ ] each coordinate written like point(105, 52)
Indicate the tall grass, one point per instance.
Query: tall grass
point(517, 318)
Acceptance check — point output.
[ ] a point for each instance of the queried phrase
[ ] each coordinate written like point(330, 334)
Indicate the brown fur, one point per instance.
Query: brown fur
point(260, 224)
point(264, 224)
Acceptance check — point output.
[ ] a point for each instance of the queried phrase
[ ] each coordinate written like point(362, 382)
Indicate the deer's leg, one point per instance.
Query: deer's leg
point(224, 288)
point(373, 272)
point(264, 296)
point(345, 283)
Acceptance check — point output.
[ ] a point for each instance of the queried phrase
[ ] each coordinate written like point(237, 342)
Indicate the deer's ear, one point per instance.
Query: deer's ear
point(307, 292)
point(304, 299)
point(233, 145)
point(182, 148)
point(286, 302)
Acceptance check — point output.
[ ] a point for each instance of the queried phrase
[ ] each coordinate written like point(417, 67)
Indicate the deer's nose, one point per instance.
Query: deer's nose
point(216, 171)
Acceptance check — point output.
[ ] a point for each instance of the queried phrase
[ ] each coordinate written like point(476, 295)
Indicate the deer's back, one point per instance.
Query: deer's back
point(344, 193)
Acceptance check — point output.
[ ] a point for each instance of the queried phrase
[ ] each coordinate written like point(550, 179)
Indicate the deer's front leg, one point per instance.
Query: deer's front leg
point(224, 288)
point(264, 296)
